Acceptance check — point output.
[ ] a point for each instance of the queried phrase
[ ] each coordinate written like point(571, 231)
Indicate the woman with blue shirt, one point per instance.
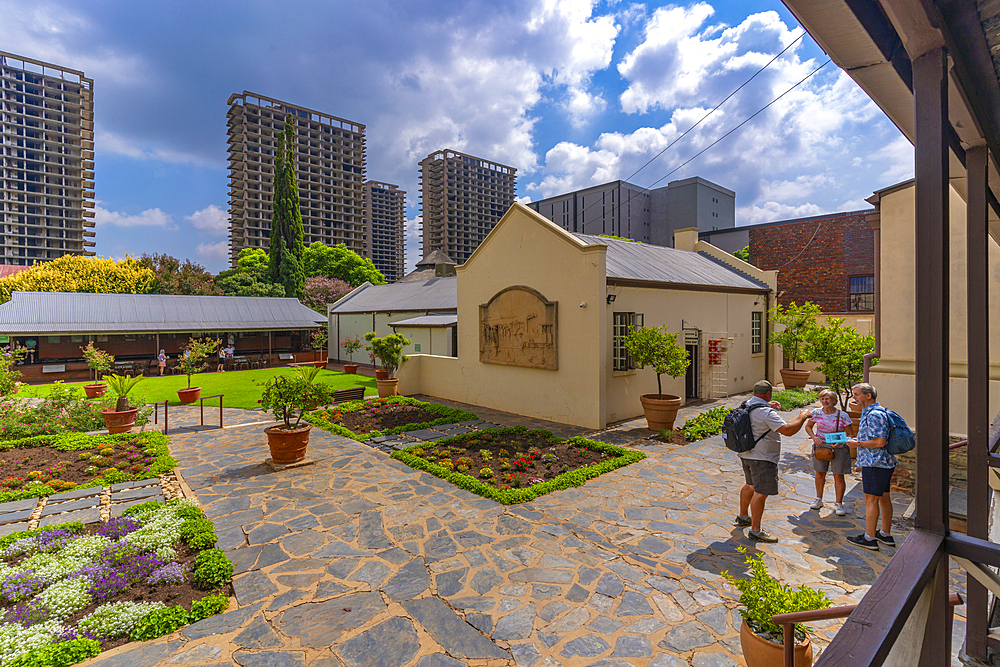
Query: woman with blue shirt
point(877, 466)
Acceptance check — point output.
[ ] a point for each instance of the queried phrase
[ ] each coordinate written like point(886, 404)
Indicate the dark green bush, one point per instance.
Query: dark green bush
point(205, 540)
point(210, 605)
point(193, 527)
point(707, 423)
point(142, 508)
point(212, 569)
point(159, 622)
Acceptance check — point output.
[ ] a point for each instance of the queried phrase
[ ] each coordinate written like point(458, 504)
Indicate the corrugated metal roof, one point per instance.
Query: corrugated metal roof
point(629, 260)
point(442, 320)
point(79, 312)
point(433, 294)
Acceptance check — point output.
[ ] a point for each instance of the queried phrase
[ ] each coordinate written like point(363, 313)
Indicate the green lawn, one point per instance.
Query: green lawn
point(239, 387)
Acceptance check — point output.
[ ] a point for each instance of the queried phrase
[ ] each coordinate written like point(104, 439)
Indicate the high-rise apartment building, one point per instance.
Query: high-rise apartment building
point(463, 198)
point(385, 226)
point(330, 167)
point(46, 161)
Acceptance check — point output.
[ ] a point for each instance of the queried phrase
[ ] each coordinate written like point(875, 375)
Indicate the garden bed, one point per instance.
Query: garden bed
point(67, 593)
point(376, 417)
point(513, 465)
point(46, 464)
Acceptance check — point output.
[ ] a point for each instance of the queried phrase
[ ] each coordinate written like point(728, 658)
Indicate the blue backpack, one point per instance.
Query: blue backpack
point(901, 438)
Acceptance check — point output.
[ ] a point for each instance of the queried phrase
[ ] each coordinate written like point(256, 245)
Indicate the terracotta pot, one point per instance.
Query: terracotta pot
point(381, 374)
point(660, 413)
point(188, 396)
point(119, 422)
point(288, 446)
point(387, 387)
point(350, 368)
point(759, 652)
point(319, 364)
point(94, 390)
point(793, 379)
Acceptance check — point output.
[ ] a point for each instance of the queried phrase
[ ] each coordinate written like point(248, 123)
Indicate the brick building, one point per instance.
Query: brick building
point(829, 260)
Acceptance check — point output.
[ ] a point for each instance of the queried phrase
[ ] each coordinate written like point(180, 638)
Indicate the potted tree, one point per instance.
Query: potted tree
point(99, 361)
point(657, 347)
point(193, 361)
point(389, 351)
point(288, 397)
point(318, 342)
point(122, 418)
point(840, 352)
point(799, 322)
point(762, 597)
point(351, 344)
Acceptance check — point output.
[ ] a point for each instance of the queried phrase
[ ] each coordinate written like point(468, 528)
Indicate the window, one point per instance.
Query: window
point(862, 293)
point(621, 323)
point(756, 330)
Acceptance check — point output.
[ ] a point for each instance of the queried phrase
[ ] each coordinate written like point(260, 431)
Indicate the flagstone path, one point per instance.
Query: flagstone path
point(359, 560)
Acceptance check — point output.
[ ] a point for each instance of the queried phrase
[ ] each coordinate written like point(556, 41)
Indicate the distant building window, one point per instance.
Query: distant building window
point(862, 293)
point(756, 338)
point(621, 323)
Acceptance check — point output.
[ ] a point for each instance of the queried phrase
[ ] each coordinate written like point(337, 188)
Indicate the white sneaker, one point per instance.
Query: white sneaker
point(838, 509)
point(816, 504)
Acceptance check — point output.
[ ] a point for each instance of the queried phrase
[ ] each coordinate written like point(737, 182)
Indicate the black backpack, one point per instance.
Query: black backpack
point(736, 429)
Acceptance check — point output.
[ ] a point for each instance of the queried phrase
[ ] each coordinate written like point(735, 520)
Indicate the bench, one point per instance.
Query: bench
point(343, 395)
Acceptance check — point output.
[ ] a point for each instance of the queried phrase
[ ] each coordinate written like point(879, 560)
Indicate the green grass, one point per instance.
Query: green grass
point(238, 386)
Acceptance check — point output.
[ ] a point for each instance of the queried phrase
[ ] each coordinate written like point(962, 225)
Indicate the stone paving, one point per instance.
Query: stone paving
point(359, 560)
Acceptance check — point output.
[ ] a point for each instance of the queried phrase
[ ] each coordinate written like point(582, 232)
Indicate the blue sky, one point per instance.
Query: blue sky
point(570, 92)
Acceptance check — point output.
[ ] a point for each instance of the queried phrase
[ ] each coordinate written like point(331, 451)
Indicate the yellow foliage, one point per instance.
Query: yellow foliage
point(74, 273)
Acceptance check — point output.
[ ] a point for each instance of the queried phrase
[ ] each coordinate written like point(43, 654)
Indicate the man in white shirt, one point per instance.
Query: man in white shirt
point(760, 464)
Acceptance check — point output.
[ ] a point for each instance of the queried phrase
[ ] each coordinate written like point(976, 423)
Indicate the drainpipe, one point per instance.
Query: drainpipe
point(765, 334)
point(875, 222)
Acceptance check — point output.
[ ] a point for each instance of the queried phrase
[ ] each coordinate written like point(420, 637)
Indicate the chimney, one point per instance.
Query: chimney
point(685, 239)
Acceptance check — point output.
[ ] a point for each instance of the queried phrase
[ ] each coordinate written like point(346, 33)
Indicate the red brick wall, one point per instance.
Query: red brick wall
point(815, 259)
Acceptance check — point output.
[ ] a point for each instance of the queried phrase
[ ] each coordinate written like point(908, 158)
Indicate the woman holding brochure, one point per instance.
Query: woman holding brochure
point(827, 428)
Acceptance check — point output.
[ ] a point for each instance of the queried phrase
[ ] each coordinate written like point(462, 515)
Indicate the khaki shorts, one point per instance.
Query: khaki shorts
point(761, 475)
point(840, 465)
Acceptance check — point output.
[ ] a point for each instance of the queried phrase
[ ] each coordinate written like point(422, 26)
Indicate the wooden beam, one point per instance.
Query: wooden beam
point(974, 549)
point(930, 102)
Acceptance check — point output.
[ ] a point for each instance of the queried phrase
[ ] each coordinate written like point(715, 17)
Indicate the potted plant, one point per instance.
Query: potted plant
point(799, 323)
point(762, 597)
point(288, 397)
point(657, 347)
point(193, 361)
point(841, 351)
point(99, 361)
point(351, 344)
point(9, 376)
point(389, 351)
point(122, 418)
point(318, 342)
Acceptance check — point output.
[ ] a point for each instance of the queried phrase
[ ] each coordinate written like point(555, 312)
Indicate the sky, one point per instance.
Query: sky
point(571, 93)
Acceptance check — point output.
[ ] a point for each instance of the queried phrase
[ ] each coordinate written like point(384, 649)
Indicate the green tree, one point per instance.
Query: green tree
point(171, 276)
point(286, 218)
point(193, 360)
point(799, 322)
point(251, 277)
point(840, 352)
point(657, 347)
point(388, 350)
point(340, 263)
point(743, 254)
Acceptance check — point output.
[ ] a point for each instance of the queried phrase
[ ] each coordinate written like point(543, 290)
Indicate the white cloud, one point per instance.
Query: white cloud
point(210, 219)
point(772, 211)
point(213, 254)
point(152, 217)
point(411, 243)
point(106, 141)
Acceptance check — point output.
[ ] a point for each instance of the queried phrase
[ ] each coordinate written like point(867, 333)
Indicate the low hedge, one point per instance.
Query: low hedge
point(69, 442)
point(622, 457)
point(448, 416)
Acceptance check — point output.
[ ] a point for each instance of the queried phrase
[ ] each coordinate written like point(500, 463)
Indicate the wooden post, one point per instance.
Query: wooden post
point(931, 266)
point(978, 388)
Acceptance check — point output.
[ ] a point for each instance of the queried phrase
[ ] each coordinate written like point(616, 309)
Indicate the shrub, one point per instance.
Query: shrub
point(203, 541)
point(486, 473)
point(707, 423)
point(60, 654)
point(194, 527)
point(159, 622)
point(791, 399)
point(212, 569)
point(138, 510)
point(210, 605)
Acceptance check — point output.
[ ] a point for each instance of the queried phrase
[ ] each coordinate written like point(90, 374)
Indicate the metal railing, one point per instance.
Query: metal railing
point(789, 621)
point(201, 404)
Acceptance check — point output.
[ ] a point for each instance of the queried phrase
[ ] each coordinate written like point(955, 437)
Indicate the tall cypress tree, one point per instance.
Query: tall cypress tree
point(286, 218)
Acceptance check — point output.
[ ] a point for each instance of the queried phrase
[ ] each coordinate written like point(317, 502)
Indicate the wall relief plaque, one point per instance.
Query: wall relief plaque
point(518, 328)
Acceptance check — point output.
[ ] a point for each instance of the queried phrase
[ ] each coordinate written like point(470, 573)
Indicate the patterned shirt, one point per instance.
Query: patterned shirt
point(874, 424)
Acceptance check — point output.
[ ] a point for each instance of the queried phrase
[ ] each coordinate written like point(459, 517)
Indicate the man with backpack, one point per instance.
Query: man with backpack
point(759, 454)
point(877, 466)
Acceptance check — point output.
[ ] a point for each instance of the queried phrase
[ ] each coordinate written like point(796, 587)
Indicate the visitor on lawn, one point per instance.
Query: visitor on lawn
point(760, 464)
point(161, 361)
point(877, 466)
point(824, 421)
